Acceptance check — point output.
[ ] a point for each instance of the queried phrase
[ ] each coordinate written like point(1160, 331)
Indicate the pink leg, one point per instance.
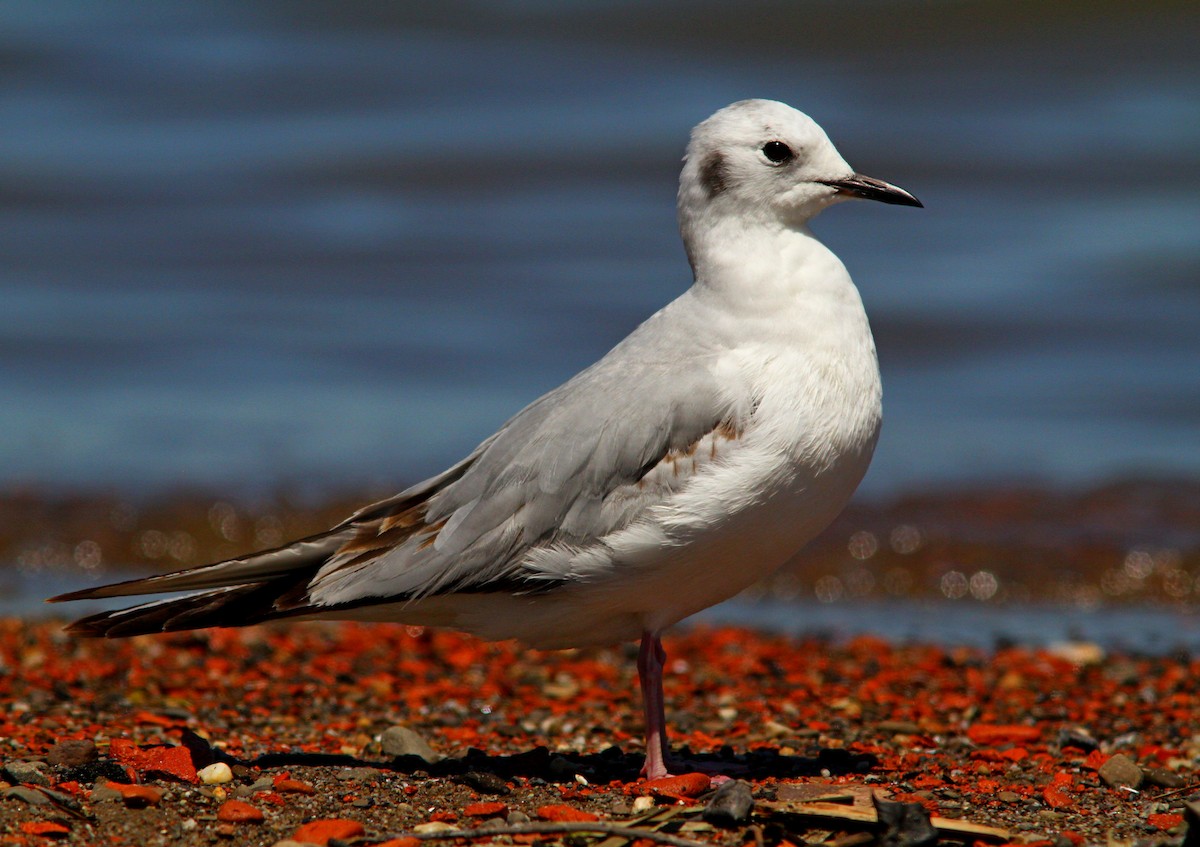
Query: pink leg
point(651, 658)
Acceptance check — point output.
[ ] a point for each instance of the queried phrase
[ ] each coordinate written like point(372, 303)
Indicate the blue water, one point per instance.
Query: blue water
point(258, 245)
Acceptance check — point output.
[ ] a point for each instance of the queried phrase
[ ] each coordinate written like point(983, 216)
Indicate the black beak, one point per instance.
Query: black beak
point(857, 185)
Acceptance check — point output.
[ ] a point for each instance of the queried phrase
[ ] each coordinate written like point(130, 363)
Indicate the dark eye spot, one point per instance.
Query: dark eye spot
point(714, 174)
point(777, 152)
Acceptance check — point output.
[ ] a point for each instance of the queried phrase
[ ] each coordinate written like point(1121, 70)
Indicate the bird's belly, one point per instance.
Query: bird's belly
point(744, 549)
point(654, 585)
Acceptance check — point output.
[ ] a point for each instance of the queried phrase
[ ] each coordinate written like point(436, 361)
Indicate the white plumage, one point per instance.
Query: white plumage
point(691, 461)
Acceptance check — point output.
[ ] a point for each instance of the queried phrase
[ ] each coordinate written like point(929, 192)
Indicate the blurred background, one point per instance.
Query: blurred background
point(277, 255)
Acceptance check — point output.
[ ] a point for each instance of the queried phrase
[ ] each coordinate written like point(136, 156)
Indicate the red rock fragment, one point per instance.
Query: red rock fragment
point(144, 717)
point(137, 796)
point(46, 829)
point(1056, 797)
point(294, 786)
point(683, 787)
point(486, 810)
point(170, 762)
point(1164, 821)
point(320, 831)
point(406, 841)
point(986, 734)
point(1015, 754)
point(1095, 760)
point(1058, 794)
point(562, 813)
point(239, 811)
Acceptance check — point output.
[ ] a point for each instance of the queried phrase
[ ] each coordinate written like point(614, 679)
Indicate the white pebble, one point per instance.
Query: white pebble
point(642, 804)
point(215, 774)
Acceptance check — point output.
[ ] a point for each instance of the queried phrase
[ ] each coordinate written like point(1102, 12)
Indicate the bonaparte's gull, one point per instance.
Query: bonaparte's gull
point(691, 461)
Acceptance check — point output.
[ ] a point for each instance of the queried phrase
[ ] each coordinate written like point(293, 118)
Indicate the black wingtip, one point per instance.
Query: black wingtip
point(81, 594)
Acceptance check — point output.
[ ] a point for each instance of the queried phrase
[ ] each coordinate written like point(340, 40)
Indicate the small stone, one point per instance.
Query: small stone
point(103, 793)
point(402, 741)
point(643, 804)
point(29, 795)
point(490, 809)
point(1191, 816)
point(1121, 770)
point(72, 752)
point(731, 805)
point(904, 824)
point(217, 773)
point(682, 787)
point(1009, 797)
point(1077, 737)
point(30, 773)
point(46, 829)
point(516, 816)
point(138, 796)
point(1163, 777)
point(166, 761)
point(326, 829)
point(294, 786)
point(1077, 652)
point(484, 782)
point(562, 813)
point(775, 729)
point(235, 811)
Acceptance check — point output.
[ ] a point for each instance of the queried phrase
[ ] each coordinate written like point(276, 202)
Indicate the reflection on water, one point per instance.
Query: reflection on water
point(259, 245)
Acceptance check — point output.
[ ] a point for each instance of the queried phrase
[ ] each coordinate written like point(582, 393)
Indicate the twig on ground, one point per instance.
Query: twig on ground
point(1175, 791)
point(553, 827)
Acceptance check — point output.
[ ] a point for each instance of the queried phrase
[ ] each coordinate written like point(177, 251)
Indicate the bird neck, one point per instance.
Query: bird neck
point(765, 261)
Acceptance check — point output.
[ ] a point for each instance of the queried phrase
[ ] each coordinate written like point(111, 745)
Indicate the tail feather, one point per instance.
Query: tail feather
point(238, 605)
point(299, 556)
point(263, 586)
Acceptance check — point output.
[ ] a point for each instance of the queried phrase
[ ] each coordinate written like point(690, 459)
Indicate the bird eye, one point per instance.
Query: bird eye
point(777, 152)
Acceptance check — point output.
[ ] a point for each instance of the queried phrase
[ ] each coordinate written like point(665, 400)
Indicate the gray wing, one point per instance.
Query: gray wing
point(582, 461)
point(564, 471)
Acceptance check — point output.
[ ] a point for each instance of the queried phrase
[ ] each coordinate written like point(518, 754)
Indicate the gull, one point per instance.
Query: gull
point(691, 461)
